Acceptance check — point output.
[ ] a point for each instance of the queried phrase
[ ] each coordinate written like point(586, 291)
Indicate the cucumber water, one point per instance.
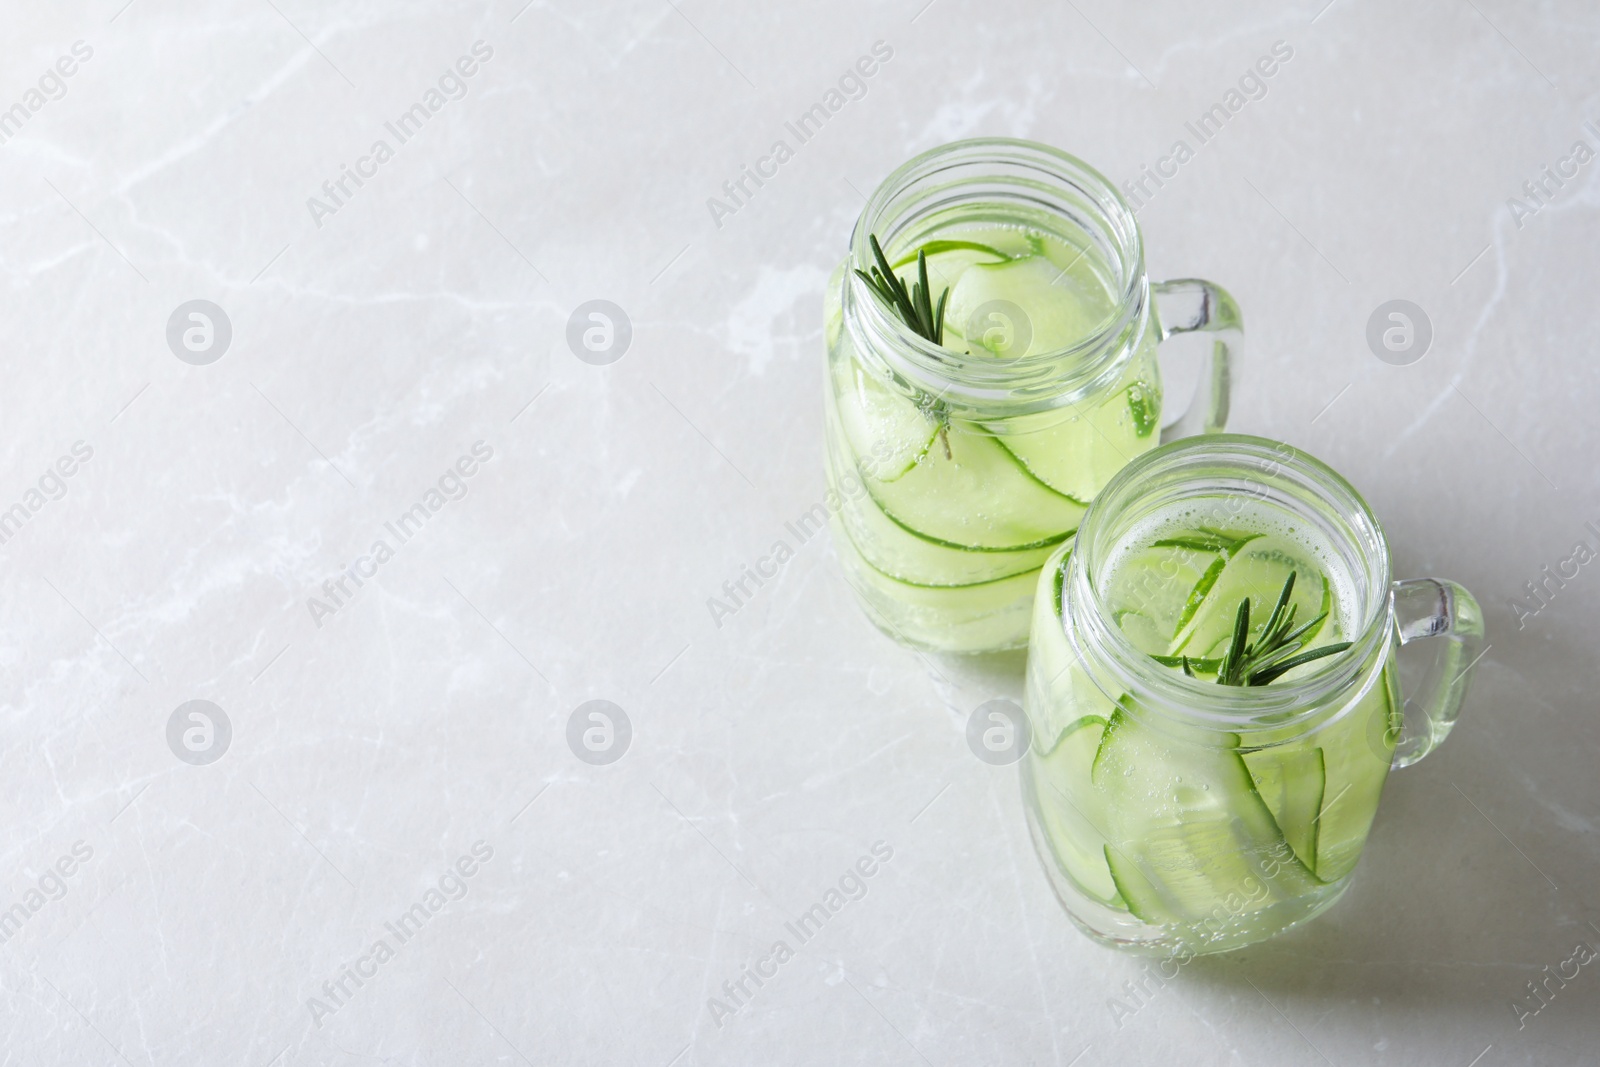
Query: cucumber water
point(943, 523)
point(1199, 838)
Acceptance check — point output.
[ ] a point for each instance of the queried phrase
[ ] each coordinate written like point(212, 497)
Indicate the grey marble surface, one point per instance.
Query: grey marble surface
point(406, 742)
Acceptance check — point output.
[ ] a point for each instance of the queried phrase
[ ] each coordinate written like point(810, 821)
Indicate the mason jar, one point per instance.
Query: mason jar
point(957, 467)
point(1178, 816)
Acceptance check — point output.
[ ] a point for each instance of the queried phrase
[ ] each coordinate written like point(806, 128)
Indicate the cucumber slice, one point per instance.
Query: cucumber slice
point(1084, 261)
point(1059, 581)
point(948, 260)
point(977, 497)
point(1291, 781)
point(884, 427)
point(905, 557)
point(1144, 405)
point(1205, 539)
point(1078, 456)
point(983, 616)
point(1139, 628)
point(908, 557)
point(1068, 807)
point(1141, 897)
point(1059, 309)
point(1058, 694)
point(1258, 571)
point(1357, 749)
point(1188, 836)
point(1158, 585)
point(1047, 650)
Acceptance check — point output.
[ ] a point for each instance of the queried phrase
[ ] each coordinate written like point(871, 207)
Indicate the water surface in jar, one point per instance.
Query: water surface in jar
point(1015, 290)
point(1174, 581)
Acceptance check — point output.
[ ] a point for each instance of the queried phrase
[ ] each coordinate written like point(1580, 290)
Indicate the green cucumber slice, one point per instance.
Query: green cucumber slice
point(1068, 806)
point(1142, 898)
point(1206, 539)
point(908, 557)
point(1358, 749)
point(943, 257)
point(1186, 830)
point(885, 429)
point(981, 616)
point(1060, 310)
point(1291, 781)
point(1258, 571)
point(1144, 405)
point(1161, 584)
point(977, 497)
point(1079, 454)
point(1058, 583)
point(1056, 694)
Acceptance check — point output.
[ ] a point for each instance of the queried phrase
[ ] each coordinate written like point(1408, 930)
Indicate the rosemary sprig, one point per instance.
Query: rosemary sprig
point(915, 305)
point(1276, 652)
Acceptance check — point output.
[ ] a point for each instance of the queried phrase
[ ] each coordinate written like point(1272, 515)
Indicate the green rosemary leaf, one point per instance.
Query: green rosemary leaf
point(1270, 629)
point(1272, 673)
point(924, 295)
point(1199, 663)
point(1307, 628)
point(1237, 649)
point(1197, 595)
point(914, 306)
point(1278, 650)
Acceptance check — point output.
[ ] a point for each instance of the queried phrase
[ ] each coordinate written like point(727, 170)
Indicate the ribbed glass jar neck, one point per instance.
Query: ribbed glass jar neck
point(997, 181)
point(1222, 474)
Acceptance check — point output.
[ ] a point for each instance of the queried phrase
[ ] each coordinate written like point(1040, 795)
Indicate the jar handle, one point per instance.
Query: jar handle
point(1186, 305)
point(1426, 608)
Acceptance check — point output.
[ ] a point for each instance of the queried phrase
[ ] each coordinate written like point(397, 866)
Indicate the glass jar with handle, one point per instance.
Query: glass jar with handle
point(991, 363)
point(1175, 815)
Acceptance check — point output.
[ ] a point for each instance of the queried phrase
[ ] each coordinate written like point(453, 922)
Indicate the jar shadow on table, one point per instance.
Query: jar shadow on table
point(1473, 879)
point(965, 682)
point(1446, 915)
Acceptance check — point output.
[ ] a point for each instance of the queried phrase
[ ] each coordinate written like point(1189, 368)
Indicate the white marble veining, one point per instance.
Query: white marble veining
point(399, 771)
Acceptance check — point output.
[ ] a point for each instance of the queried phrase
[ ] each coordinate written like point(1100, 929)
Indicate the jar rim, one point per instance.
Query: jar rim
point(1170, 693)
point(1005, 163)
